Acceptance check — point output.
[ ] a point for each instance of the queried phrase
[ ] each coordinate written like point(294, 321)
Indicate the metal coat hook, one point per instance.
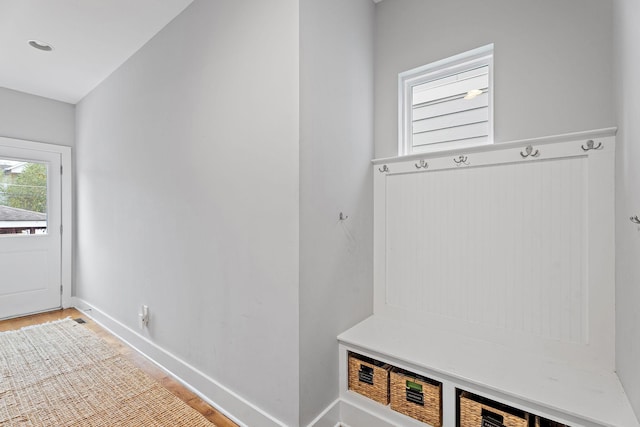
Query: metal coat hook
point(591, 146)
point(635, 219)
point(461, 160)
point(384, 168)
point(343, 217)
point(529, 152)
point(422, 165)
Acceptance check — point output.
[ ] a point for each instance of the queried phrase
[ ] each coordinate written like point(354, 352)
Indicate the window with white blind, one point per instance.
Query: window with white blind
point(447, 104)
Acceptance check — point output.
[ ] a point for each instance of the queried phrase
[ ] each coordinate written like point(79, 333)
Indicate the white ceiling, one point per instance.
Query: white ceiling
point(91, 38)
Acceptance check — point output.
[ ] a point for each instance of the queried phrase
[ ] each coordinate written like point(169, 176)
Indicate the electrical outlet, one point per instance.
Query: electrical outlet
point(144, 316)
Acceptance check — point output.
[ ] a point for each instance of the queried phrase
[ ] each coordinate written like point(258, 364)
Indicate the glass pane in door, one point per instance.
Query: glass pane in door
point(23, 197)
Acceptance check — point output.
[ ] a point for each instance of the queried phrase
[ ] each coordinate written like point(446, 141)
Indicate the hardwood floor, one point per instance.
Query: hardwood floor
point(139, 360)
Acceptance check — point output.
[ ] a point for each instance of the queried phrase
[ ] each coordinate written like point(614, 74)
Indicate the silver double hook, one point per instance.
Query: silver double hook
point(461, 160)
point(422, 165)
point(591, 146)
point(528, 151)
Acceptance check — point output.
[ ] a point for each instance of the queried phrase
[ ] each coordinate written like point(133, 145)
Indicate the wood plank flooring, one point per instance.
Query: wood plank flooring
point(139, 360)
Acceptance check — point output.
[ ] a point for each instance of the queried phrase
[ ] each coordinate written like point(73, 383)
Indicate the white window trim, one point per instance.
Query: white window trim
point(407, 80)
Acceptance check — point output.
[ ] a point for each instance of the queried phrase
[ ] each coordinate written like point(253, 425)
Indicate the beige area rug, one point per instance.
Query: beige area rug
point(61, 374)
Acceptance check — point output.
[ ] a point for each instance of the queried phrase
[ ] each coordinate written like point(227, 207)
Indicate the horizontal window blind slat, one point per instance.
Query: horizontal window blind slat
point(452, 120)
point(451, 79)
point(449, 107)
point(457, 88)
point(449, 145)
point(451, 134)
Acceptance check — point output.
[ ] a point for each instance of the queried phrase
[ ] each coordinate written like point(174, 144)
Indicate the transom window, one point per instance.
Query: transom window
point(447, 104)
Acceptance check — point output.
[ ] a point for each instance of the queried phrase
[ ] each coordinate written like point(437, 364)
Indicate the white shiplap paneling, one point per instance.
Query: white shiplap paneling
point(499, 245)
point(502, 244)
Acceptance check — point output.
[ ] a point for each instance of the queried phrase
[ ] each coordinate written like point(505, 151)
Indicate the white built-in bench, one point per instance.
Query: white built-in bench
point(552, 389)
point(494, 274)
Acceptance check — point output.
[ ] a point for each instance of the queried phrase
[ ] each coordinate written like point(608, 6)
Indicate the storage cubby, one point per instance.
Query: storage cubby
point(416, 396)
point(543, 422)
point(476, 411)
point(403, 392)
point(369, 377)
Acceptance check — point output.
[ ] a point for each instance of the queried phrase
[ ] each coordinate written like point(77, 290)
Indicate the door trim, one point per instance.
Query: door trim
point(66, 204)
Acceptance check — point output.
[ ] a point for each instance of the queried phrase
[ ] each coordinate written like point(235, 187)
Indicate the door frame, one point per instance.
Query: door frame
point(66, 205)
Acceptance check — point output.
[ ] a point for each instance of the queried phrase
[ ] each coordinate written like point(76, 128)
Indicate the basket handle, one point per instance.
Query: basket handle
point(491, 419)
point(365, 374)
point(414, 393)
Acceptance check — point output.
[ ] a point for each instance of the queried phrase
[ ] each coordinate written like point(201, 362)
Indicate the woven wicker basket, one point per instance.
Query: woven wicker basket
point(478, 412)
point(416, 397)
point(543, 422)
point(369, 377)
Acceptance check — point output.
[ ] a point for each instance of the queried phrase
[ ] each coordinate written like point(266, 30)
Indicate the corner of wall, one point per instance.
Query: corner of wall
point(626, 69)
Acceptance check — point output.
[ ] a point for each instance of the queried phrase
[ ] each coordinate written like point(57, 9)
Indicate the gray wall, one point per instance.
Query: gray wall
point(336, 145)
point(552, 60)
point(33, 118)
point(627, 70)
point(187, 195)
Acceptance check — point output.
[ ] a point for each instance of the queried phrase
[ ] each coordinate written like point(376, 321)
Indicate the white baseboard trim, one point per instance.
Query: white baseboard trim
point(329, 417)
point(226, 401)
point(342, 413)
point(355, 415)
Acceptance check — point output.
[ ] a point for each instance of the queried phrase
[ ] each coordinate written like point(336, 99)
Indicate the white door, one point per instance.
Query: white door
point(30, 231)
